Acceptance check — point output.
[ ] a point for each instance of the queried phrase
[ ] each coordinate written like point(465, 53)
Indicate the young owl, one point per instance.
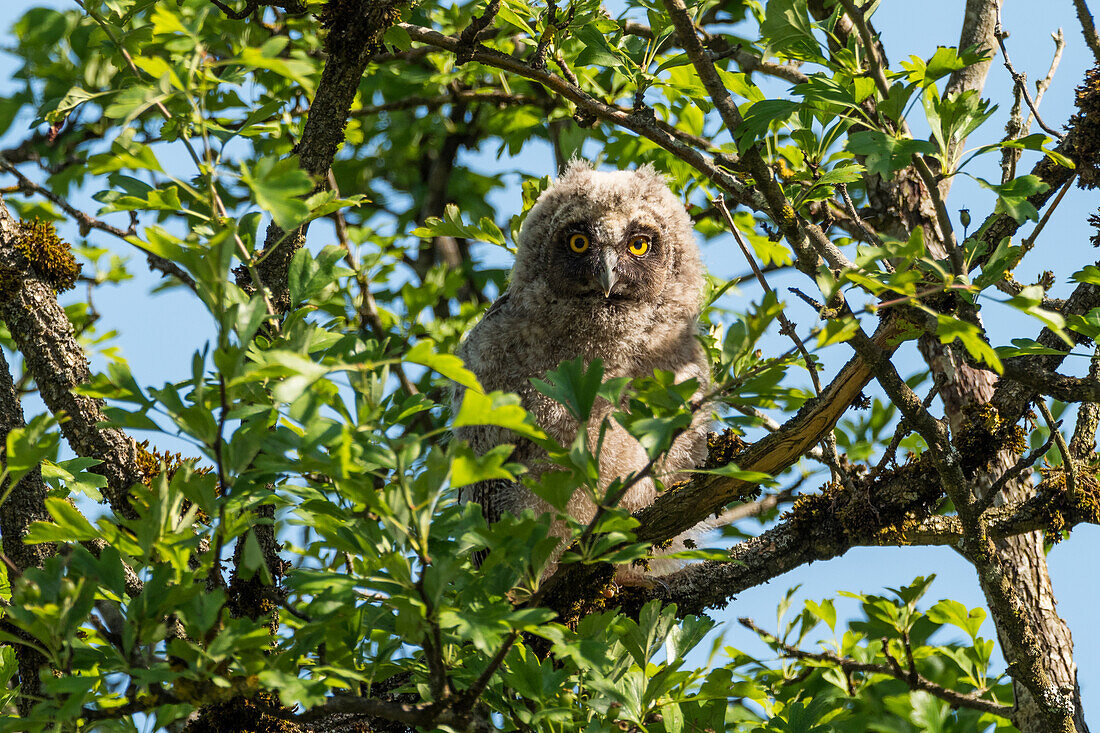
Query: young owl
point(607, 268)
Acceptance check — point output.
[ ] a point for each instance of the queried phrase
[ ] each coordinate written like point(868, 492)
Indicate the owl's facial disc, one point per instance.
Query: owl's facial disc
point(607, 261)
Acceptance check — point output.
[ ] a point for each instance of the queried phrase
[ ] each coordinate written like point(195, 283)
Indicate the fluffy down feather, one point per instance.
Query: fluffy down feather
point(635, 312)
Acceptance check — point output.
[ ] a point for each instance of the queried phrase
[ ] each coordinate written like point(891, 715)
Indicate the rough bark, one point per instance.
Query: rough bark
point(24, 504)
point(979, 22)
point(1022, 557)
point(53, 357)
point(355, 30)
point(902, 205)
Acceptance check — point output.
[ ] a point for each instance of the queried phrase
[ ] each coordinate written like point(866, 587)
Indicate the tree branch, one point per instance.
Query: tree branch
point(1088, 28)
point(355, 29)
point(20, 505)
point(86, 221)
point(722, 47)
point(646, 126)
point(911, 677)
point(45, 337)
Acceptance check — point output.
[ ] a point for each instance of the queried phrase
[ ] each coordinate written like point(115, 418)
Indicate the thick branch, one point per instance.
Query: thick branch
point(21, 504)
point(354, 32)
point(682, 508)
point(979, 22)
point(54, 358)
point(1068, 389)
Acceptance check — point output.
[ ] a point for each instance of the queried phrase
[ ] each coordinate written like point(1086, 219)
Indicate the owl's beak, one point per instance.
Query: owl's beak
point(608, 276)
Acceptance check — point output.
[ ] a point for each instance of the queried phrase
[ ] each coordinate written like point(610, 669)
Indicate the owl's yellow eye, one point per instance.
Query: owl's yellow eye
point(638, 245)
point(578, 243)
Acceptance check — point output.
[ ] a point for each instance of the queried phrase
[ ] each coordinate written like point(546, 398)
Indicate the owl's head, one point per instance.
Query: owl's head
point(611, 238)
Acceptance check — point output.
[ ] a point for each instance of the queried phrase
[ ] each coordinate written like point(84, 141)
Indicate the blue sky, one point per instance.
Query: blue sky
point(159, 332)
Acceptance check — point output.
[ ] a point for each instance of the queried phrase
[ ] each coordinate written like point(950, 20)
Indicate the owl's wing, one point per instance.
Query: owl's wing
point(497, 306)
point(492, 496)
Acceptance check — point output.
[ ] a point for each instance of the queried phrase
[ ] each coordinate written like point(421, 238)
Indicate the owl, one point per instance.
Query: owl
point(607, 268)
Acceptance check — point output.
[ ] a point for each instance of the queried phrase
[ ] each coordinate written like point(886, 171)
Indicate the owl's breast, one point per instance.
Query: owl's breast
point(529, 333)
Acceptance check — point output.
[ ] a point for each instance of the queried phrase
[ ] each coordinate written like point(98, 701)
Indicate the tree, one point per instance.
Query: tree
point(302, 563)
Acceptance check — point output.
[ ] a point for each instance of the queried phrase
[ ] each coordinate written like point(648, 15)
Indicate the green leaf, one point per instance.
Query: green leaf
point(132, 101)
point(952, 612)
point(886, 154)
point(1003, 259)
point(1086, 325)
point(836, 331)
point(1087, 274)
point(1027, 347)
point(63, 107)
point(730, 470)
point(1029, 300)
point(277, 185)
point(944, 61)
point(597, 51)
point(308, 275)
point(68, 525)
point(269, 57)
point(1012, 196)
point(496, 408)
point(825, 611)
point(468, 468)
point(759, 118)
point(449, 365)
point(787, 30)
point(27, 446)
point(451, 226)
point(949, 328)
point(573, 386)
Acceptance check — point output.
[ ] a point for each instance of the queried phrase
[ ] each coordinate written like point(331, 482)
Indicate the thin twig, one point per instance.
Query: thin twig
point(721, 47)
point(438, 680)
point(1056, 432)
point(1083, 442)
point(1013, 130)
point(903, 429)
point(1043, 84)
point(219, 205)
point(850, 207)
point(877, 67)
point(758, 507)
point(807, 299)
point(368, 309)
point(279, 600)
point(595, 108)
point(1019, 79)
point(472, 693)
point(786, 326)
point(223, 479)
point(86, 221)
point(915, 681)
point(982, 503)
point(943, 219)
point(870, 237)
point(470, 34)
point(1029, 241)
point(831, 458)
point(290, 6)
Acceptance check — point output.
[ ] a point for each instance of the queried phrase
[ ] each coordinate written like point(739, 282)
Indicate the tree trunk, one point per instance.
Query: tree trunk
point(1022, 557)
